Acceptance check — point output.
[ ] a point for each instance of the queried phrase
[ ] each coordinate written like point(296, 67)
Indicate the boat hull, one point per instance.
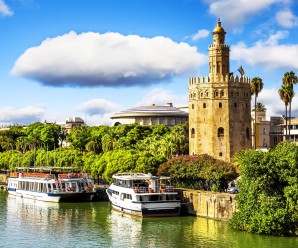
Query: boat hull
point(146, 209)
point(53, 197)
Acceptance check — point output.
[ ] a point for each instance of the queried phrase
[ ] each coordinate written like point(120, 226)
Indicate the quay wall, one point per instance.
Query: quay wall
point(3, 178)
point(218, 206)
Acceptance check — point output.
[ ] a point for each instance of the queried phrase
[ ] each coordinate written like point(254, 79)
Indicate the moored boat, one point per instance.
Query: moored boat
point(51, 184)
point(143, 195)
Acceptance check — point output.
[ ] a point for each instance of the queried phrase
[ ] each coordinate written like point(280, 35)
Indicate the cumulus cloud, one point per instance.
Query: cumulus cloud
point(267, 53)
point(201, 34)
point(25, 115)
point(4, 9)
point(159, 96)
point(235, 12)
point(110, 59)
point(286, 19)
point(98, 107)
point(274, 105)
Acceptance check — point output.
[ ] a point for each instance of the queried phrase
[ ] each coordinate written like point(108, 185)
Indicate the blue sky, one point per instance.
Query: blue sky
point(92, 58)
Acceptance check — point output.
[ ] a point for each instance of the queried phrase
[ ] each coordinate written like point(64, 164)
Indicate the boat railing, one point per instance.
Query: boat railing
point(161, 189)
point(73, 175)
point(30, 175)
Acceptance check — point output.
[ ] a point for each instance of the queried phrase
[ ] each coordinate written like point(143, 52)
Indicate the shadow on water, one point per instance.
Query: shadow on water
point(30, 223)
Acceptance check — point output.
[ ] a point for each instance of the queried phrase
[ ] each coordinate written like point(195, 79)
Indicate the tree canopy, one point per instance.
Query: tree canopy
point(268, 198)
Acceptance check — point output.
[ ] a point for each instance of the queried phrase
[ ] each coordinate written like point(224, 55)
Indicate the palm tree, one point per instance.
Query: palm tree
point(290, 78)
point(256, 87)
point(260, 107)
point(286, 94)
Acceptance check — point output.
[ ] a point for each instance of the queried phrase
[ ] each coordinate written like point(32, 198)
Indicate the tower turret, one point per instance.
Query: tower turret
point(219, 53)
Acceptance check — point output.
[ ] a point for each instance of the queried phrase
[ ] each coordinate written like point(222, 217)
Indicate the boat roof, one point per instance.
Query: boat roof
point(48, 169)
point(136, 176)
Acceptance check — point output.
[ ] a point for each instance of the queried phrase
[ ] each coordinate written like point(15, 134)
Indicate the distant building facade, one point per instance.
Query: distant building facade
point(219, 106)
point(292, 130)
point(151, 115)
point(262, 130)
point(72, 122)
point(276, 130)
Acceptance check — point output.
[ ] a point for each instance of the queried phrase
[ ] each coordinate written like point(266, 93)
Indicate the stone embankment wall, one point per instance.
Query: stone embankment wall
point(218, 206)
point(3, 178)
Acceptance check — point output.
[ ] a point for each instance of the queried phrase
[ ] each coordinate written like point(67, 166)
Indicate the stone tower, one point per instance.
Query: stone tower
point(219, 106)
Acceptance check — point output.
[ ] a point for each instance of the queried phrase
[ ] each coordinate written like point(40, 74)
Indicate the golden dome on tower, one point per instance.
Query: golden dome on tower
point(218, 28)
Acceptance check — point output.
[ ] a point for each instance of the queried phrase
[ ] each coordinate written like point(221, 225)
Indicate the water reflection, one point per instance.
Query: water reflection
point(29, 223)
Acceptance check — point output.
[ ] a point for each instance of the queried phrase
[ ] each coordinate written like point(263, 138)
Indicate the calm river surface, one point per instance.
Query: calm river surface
point(28, 223)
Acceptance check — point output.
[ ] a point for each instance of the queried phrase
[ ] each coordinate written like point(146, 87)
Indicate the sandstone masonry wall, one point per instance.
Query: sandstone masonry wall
point(218, 206)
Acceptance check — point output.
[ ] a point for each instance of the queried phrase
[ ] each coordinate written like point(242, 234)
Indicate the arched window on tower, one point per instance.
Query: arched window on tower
point(220, 105)
point(193, 132)
point(220, 132)
point(204, 105)
point(218, 67)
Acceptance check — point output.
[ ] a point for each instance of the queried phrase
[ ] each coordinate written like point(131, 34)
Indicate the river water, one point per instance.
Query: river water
point(29, 223)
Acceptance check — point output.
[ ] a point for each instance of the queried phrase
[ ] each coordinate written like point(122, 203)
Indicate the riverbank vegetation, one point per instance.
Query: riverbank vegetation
point(103, 151)
point(268, 200)
point(199, 172)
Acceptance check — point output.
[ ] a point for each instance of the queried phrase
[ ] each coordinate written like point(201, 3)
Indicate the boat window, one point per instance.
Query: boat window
point(145, 198)
point(44, 187)
point(154, 198)
point(171, 197)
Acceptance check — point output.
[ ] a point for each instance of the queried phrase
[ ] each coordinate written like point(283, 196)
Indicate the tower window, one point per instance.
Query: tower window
point(192, 106)
point(204, 105)
point(235, 105)
point(216, 93)
point(193, 133)
point(222, 93)
point(220, 105)
point(202, 94)
point(218, 67)
point(220, 132)
point(247, 133)
point(220, 154)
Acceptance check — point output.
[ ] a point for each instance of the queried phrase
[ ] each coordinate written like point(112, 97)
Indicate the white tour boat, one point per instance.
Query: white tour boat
point(51, 184)
point(143, 195)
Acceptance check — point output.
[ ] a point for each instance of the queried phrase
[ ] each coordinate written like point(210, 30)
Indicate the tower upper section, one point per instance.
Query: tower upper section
point(219, 53)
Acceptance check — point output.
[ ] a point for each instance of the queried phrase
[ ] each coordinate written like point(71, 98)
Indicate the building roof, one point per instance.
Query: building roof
point(152, 110)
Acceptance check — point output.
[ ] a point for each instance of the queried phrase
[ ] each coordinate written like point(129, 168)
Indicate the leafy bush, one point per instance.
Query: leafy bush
point(268, 200)
point(199, 172)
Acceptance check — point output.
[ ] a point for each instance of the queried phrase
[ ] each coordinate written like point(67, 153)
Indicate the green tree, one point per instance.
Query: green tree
point(260, 107)
point(286, 94)
point(268, 199)
point(199, 172)
point(256, 87)
point(290, 78)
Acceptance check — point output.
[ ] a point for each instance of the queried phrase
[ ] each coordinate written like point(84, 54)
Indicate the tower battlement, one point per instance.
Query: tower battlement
point(220, 45)
point(219, 79)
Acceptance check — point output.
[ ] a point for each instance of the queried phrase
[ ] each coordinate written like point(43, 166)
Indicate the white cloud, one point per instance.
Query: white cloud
point(235, 12)
point(25, 115)
point(4, 9)
point(159, 96)
point(268, 53)
point(286, 19)
point(274, 105)
point(97, 120)
point(201, 34)
point(98, 107)
point(110, 59)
